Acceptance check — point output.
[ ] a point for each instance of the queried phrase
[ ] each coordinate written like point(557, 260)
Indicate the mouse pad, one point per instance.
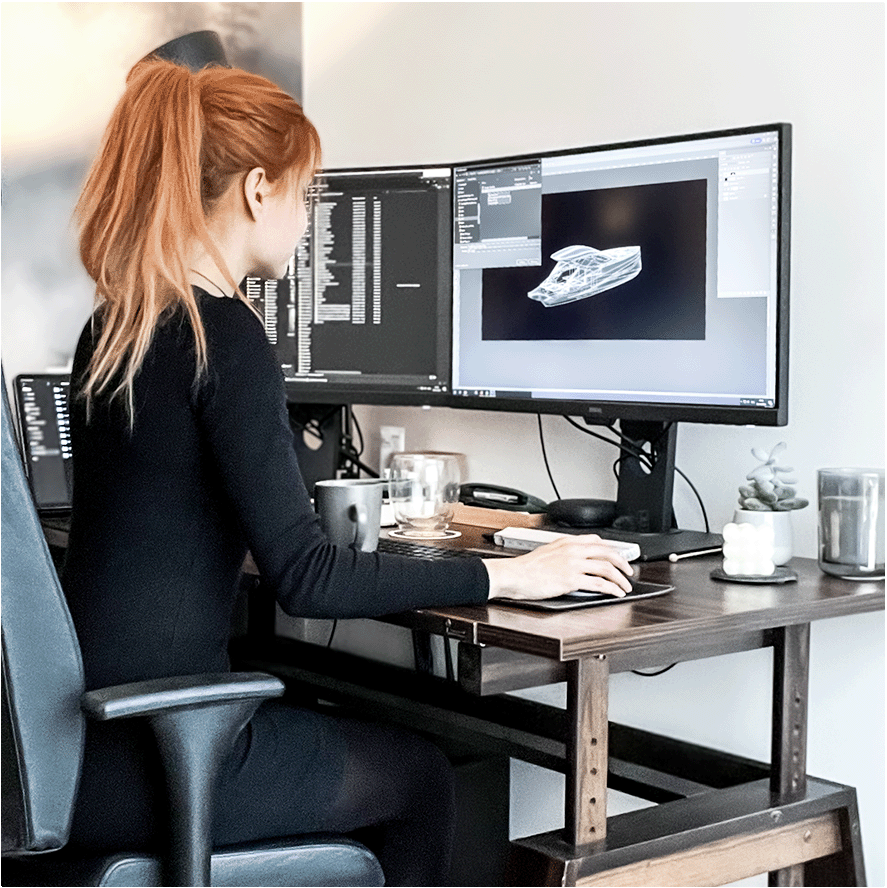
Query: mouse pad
point(574, 600)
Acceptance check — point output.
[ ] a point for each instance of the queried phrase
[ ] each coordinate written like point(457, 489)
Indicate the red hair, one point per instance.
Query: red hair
point(174, 144)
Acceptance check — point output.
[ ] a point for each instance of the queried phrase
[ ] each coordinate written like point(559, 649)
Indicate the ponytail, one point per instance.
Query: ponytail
point(175, 142)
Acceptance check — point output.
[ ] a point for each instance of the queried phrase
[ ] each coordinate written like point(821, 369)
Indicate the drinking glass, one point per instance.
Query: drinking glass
point(851, 523)
point(424, 489)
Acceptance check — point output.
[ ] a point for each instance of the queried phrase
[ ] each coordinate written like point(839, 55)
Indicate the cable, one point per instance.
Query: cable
point(654, 674)
point(329, 641)
point(312, 426)
point(629, 447)
point(350, 458)
point(350, 455)
point(624, 444)
point(357, 427)
point(545, 457)
point(627, 443)
point(448, 659)
point(306, 420)
point(698, 498)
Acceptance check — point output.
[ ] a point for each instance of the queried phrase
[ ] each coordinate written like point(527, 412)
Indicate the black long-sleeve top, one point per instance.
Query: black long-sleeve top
point(164, 513)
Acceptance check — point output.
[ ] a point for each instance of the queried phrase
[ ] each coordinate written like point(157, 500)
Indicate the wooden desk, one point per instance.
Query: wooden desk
point(729, 832)
point(718, 817)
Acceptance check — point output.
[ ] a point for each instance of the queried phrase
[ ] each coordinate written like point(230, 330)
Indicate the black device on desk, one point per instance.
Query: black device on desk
point(656, 546)
point(492, 496)
point(41, 401)
point(579, 599)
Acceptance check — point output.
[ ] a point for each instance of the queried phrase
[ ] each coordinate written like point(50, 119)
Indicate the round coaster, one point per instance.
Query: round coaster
point(418, 537)
point(780, 575)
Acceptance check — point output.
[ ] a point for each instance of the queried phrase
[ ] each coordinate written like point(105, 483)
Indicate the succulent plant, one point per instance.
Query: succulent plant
point(770, 489)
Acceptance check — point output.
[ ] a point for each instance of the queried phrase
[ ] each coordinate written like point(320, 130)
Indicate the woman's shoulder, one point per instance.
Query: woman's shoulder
point(231, 321)
point(226, 312)
point(234, 332)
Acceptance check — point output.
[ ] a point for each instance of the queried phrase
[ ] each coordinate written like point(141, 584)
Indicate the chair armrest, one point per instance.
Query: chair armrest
point(195, 720)
point(179, 692)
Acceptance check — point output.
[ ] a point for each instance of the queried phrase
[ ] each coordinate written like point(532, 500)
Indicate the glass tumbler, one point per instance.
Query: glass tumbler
point(851, 523)
point(424, 489)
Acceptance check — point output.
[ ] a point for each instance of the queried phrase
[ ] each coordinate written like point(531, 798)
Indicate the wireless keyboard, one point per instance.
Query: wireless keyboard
point(419, 550)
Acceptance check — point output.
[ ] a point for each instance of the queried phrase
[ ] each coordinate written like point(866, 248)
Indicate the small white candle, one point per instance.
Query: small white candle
point(748, 550)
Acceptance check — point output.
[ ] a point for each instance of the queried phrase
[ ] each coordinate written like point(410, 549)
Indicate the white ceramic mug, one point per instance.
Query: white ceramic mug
point(350, 511)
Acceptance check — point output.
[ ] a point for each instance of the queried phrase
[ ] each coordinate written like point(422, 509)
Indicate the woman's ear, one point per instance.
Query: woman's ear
point(255, 190)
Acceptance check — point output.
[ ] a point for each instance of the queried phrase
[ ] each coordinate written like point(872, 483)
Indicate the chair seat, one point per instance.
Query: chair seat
point(308, 860)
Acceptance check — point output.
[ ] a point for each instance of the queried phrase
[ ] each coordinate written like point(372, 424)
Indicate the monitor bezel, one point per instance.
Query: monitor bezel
point(605, 411)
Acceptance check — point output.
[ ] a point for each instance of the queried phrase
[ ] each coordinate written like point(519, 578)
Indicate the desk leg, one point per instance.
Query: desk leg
point(788, 774)
point(586, 783)
point(788, 769)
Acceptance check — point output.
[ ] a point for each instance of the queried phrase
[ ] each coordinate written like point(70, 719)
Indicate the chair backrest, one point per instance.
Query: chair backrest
point(42, 723)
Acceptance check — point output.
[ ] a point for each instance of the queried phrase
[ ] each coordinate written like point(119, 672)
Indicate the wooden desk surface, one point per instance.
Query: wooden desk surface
point(698, 609)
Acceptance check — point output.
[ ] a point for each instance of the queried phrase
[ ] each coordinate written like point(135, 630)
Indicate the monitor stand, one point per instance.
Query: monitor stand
point(644, 513)
point(322, 437)
point(317, 438)
point(660, 546)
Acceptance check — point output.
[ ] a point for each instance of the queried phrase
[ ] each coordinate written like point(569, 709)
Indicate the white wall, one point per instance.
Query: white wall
point(437, 82)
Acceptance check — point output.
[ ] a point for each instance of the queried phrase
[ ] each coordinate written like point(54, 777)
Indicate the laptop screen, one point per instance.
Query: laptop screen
point(44, 430)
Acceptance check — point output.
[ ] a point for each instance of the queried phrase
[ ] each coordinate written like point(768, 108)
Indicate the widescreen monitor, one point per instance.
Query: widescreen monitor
point(644, 280)
point(363, 315)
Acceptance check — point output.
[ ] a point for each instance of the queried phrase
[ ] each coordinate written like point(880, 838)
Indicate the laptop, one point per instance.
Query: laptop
point(41, 401)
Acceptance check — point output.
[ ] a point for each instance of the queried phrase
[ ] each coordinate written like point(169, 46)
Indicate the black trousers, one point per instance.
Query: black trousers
point(294, 771)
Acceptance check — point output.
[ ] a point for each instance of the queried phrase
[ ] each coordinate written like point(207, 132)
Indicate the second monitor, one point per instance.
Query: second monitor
point(363, 313)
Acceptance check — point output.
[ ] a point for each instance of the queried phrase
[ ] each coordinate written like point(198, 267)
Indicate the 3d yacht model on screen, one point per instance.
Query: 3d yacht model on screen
point(584, 271)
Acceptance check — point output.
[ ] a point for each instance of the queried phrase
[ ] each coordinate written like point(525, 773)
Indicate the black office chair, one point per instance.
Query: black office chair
point(194, 718)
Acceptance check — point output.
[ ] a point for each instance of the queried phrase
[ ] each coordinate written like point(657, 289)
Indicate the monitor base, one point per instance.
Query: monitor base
point(658, 546)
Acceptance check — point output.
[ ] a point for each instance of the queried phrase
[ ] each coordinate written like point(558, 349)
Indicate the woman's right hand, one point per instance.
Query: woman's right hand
point(571, 563)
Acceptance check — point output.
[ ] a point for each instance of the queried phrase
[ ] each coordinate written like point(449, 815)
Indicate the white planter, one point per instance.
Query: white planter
point(781, 522)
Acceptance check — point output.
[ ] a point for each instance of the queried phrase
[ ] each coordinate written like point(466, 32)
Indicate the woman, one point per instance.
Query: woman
point(183, 461)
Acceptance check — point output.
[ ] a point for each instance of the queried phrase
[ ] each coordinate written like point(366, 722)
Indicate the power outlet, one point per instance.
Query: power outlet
point(392, 439)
